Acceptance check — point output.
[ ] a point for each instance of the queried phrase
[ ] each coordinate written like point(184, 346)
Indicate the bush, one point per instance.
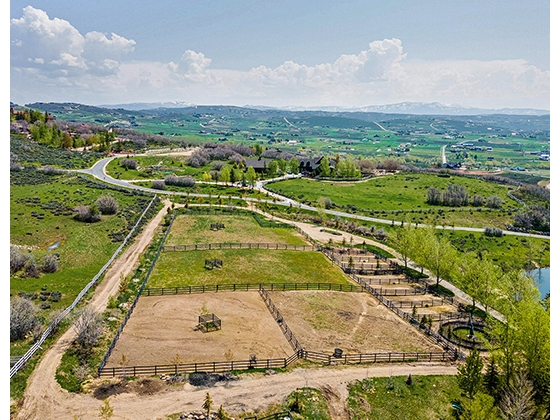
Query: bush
point(107, 205)
point(494, 202)
point(180, 181)
point(488, 231)
point(129, 163)
point(17, 259)
point(50, 265)
point(23, 318)
point(158, 184)
point(89, 327)
point(87, 213)
point(30, 268)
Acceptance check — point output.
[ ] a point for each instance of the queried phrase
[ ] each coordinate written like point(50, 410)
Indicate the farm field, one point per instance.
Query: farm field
point(162, 331)
point(195, 229)
point(354, 322)
point(242, 266)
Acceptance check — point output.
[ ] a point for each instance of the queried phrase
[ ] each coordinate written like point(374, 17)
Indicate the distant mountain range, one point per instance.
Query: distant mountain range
point(415, 108)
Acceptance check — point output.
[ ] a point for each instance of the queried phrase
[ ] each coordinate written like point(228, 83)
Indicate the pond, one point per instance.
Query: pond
point(542, 279)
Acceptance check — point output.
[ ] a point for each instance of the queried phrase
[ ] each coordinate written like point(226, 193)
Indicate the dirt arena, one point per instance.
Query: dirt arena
point(162, 330)
point(354, 322)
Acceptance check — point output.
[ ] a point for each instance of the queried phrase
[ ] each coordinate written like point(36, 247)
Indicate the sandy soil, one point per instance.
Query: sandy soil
point(162, 330)
point(354, 322)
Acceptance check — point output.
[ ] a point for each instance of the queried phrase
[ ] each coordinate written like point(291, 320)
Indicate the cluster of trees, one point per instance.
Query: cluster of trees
point(537, 218)
point(457, 196)
point(92, 213)
point(26, 265)
point(234, 153)
point(521, 340)
point(341, 169)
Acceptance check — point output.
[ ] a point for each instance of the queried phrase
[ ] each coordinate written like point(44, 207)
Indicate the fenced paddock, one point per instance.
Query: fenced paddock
point(162, 330)
point(354, 322)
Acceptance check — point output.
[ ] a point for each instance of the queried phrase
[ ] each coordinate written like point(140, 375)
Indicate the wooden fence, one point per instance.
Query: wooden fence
point(245, 287)
point(379, 357)
point(249, 245)
point(281, 415)
point(278, 363)
point(280, 320)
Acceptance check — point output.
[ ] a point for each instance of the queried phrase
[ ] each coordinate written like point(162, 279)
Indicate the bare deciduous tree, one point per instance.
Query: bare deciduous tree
point(89, 327)
point(158, 184)
point(17, 259)
point(23, 318)
point(50, 264)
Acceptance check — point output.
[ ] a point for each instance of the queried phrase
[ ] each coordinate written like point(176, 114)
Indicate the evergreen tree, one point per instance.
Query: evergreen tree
point(469, 375)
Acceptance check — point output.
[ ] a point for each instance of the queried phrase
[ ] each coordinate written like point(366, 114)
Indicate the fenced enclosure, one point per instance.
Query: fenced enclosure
point(280, 320)
point(209, 322)
point(217, 226)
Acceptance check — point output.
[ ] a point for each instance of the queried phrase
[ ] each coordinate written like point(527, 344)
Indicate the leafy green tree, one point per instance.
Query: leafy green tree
point(251, 176)
point(404, 239)
point(273, 168)
point(477, 276)
point(481, 407)
point(491, 379)
point(293, 165)
point(324, 167)
point(469, 374)
point(224, 175)
point(282, 165)
point(442, 256)
point(206, 177)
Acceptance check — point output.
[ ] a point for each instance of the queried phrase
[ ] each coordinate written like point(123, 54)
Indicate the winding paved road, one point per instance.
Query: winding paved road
point(98, 171)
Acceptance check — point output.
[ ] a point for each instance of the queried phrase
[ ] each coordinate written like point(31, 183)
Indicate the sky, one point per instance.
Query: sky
point(487, 54)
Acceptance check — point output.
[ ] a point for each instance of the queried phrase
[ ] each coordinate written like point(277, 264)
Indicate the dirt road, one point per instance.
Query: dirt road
point(45, 399)
point(43, 394)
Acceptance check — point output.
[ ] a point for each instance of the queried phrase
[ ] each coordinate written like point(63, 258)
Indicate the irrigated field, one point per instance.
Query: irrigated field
point(195, 229)
point(244, 266)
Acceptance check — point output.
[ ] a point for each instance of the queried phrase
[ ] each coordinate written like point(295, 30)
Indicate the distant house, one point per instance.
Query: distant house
point(451, 165)
point(310, 166)
point(259, 165)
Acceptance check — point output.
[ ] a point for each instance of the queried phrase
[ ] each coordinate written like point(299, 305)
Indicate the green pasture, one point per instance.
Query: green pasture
point(35, 222)
point(213, 189)
point(242, 266)
point(427, 398)
point(195, 229)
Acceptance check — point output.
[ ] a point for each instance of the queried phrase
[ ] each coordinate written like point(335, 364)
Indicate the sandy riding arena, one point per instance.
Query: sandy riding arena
point(354, 322)
point(162, 330)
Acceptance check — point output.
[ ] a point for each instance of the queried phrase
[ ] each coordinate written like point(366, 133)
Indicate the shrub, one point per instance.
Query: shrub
point(87, 213)
point(107, 205)
point(494, 202)
point(129, 163)
point(17, 259)
point(30, 268)
point(89, 327)
point(180, 181)
point(158, 184)
point(23, 318)
point(489, 231)
point(50, 265)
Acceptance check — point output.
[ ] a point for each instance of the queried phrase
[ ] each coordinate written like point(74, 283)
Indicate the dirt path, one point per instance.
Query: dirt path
point(43, 394)
point(45, 399)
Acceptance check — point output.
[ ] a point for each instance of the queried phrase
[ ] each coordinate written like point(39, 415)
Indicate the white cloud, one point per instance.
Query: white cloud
point(51, 59)
point(57, 49)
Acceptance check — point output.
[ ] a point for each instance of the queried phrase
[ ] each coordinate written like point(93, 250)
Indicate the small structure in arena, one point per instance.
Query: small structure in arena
point(211, 264)
point(209, 322)
point(217, 226)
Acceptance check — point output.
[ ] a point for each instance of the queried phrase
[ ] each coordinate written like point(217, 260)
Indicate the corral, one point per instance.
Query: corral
point(162, 330)
point(354, 322)
point(195, 229)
